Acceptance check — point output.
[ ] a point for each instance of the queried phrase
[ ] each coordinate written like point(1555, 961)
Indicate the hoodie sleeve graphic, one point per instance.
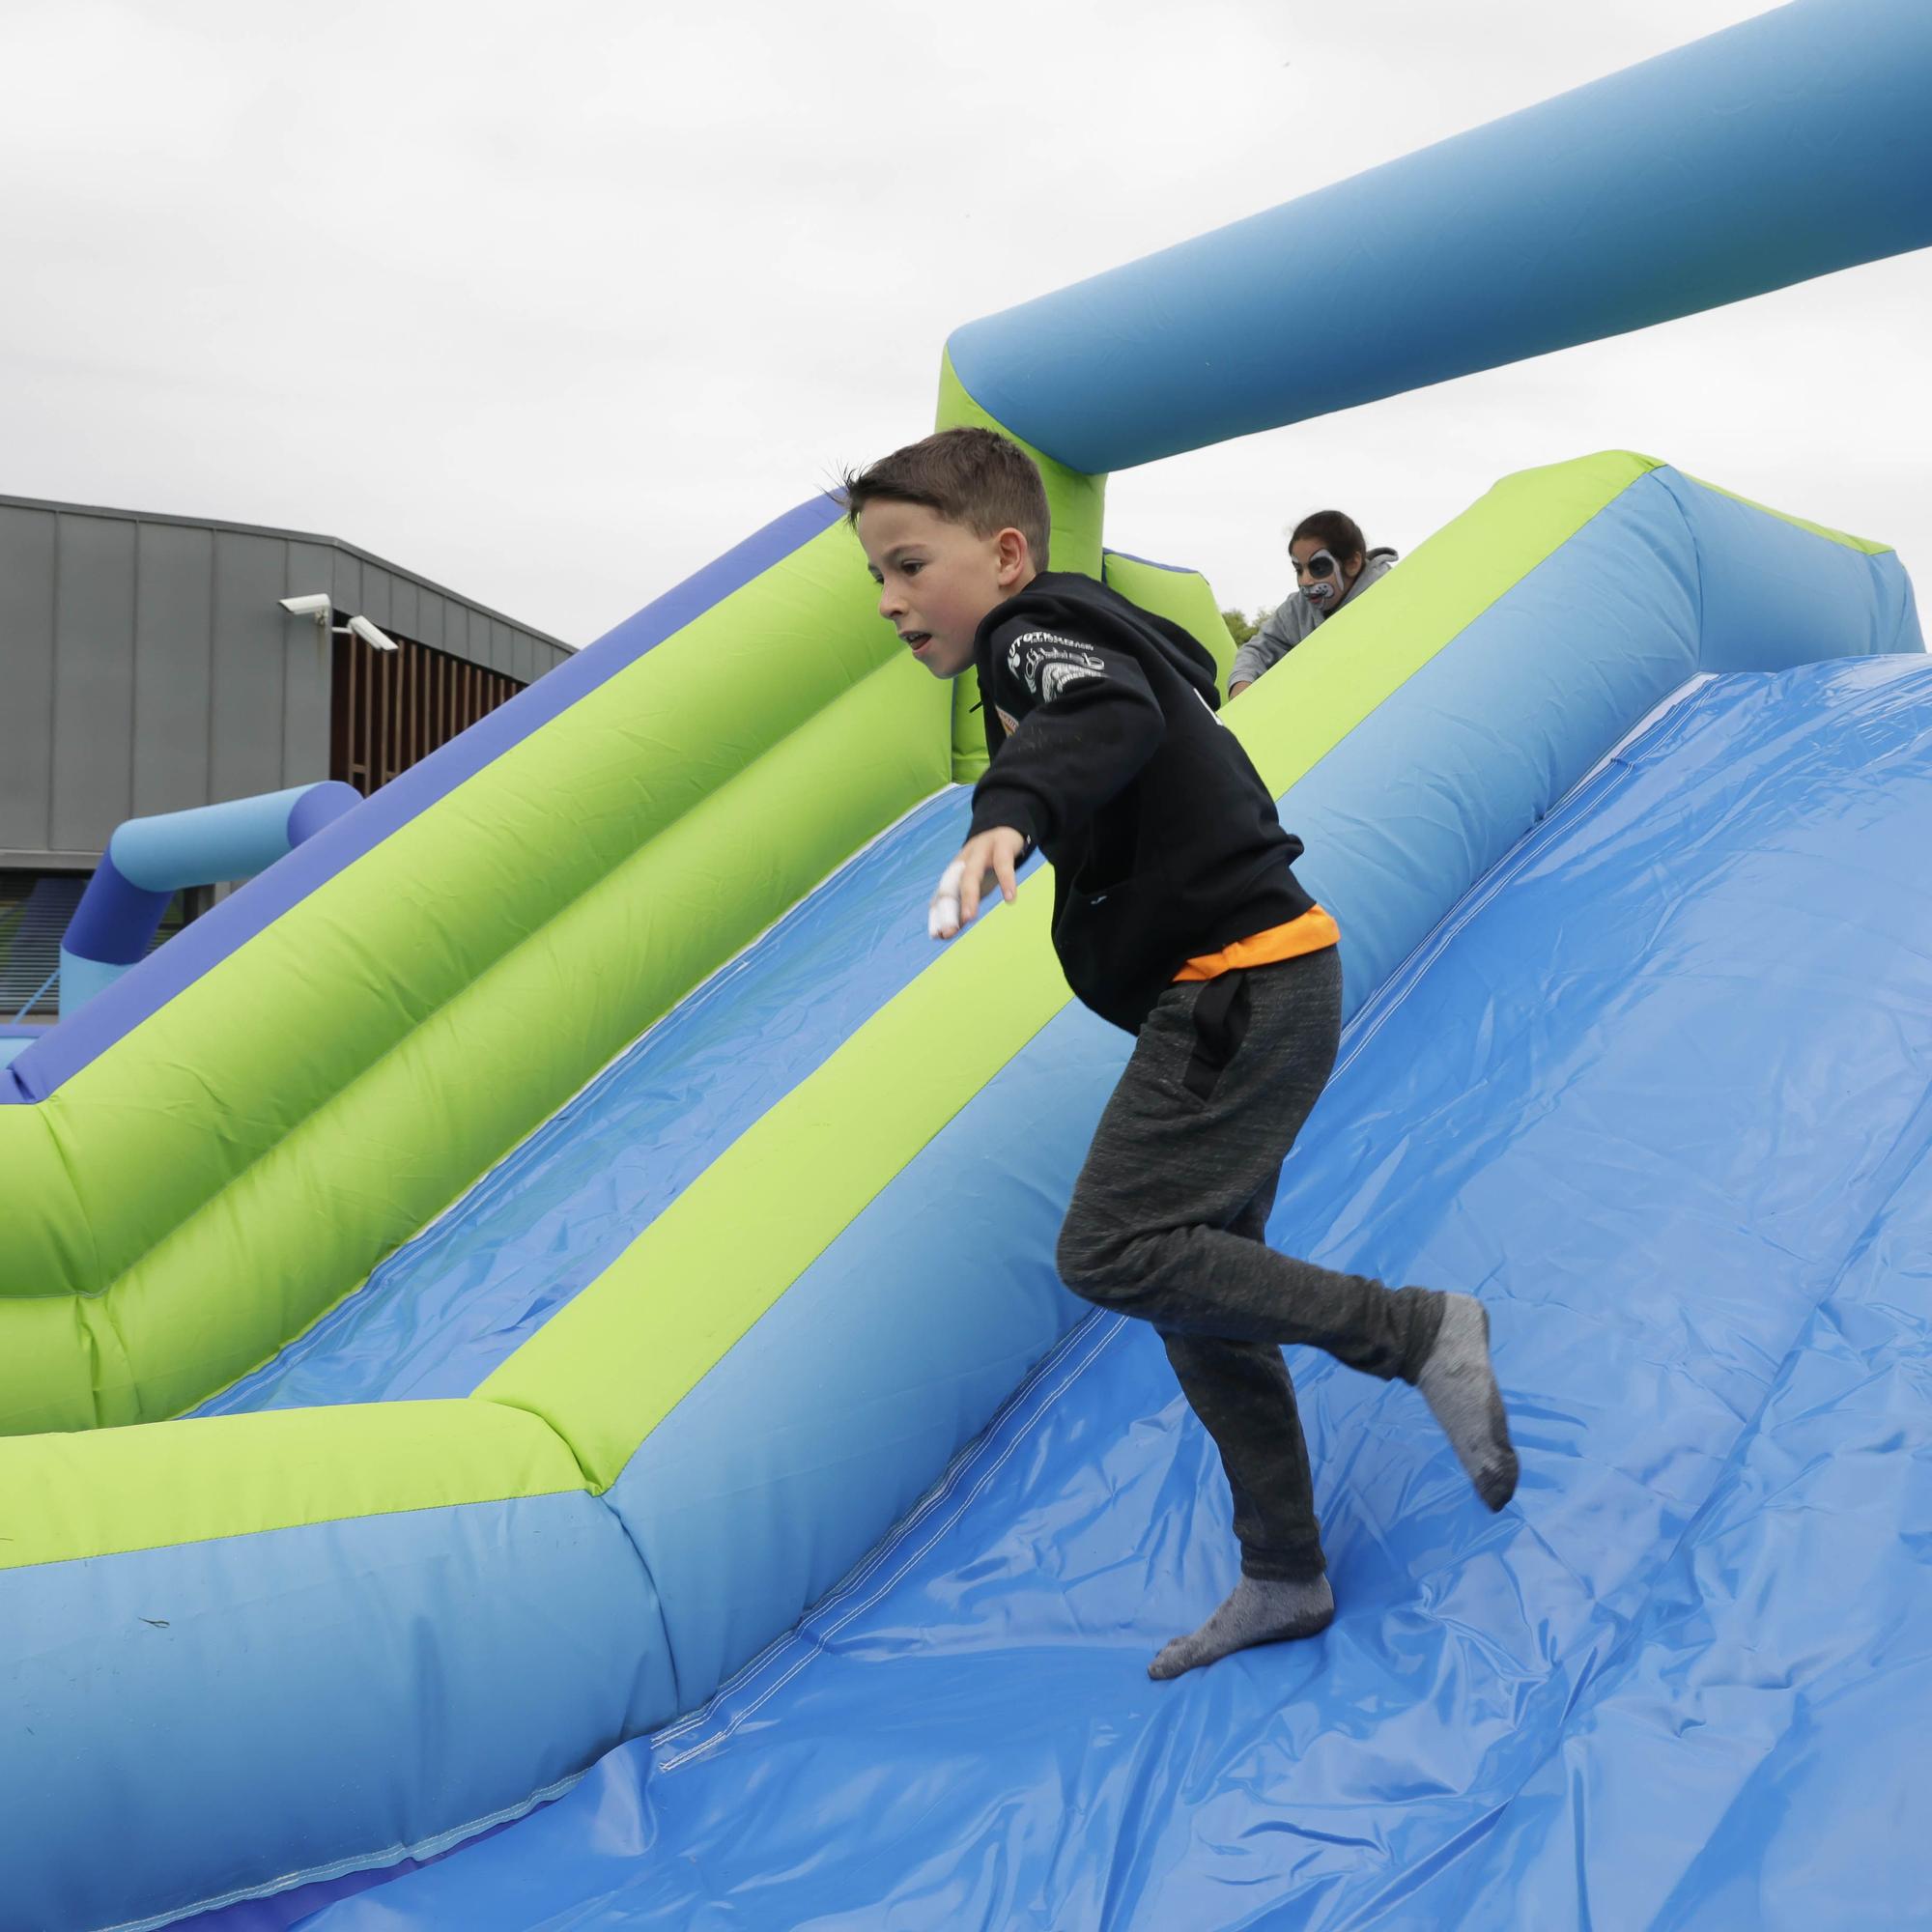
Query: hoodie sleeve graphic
point(1081, 721)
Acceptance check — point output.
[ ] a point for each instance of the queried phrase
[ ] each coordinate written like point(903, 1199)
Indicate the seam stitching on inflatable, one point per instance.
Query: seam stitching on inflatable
point(422, 1850)
point(61, 1155)
point(601, 1496)
point(602, 1501)
point(1697, 557)
point(813, 1642)
point(1610, 773)
point(355, 1515)
point(912, 1151)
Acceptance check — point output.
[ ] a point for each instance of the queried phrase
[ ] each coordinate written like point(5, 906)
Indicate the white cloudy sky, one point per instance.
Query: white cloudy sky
point(553, 304)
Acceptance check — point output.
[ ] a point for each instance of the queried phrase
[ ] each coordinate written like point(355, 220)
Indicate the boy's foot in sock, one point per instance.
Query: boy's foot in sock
point(1260, 1611)
point(1462, 1390)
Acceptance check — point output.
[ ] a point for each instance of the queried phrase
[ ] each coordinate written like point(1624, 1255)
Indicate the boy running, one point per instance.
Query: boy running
point(1178, 917)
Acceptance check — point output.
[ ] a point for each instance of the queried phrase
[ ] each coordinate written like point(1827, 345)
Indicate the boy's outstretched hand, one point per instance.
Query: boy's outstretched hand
point(988, 860)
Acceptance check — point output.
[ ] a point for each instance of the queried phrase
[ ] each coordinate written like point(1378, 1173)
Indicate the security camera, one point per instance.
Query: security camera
point(370, 634)
point(317, 605)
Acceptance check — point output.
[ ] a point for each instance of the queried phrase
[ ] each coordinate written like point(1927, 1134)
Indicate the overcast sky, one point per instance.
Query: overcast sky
point(553, 303)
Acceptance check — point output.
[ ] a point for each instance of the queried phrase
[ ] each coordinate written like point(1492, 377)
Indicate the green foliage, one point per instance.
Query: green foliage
point(1241, 627)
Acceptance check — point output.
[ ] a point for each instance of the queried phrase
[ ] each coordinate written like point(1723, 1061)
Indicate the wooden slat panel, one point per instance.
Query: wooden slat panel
point(392, 708)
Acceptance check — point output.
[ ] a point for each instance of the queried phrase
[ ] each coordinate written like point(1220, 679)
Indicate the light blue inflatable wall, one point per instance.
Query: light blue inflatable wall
point(422, 1676)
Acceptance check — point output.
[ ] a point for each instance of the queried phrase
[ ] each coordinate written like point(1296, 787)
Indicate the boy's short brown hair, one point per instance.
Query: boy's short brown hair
point(971, 477)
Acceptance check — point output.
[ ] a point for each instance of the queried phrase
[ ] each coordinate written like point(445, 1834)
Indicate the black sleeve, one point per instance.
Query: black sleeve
point(1083, 721)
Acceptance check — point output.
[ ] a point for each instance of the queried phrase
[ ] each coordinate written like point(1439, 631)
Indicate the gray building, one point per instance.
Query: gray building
point(147, 666)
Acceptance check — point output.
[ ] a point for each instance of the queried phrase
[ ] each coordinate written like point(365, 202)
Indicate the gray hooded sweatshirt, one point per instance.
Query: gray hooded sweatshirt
point(1294, 621)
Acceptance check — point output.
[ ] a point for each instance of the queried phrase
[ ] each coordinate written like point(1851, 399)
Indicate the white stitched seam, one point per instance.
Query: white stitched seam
point(855, 1578)
point(813, 1644)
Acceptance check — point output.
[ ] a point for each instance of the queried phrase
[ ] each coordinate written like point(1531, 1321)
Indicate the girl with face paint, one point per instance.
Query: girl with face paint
point(1333, 565)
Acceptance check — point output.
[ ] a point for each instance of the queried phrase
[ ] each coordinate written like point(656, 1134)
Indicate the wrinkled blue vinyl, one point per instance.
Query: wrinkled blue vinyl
point(1658, 1090)
point(444, 1311)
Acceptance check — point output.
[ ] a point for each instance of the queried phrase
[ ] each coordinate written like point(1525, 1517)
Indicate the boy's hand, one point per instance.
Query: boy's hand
point(983, 862)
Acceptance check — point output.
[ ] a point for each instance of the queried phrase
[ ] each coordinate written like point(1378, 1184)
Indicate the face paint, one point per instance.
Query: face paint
point(1325, 591)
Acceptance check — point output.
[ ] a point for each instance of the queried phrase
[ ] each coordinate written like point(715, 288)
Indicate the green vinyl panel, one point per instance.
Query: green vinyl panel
point(1182, 597)
point(63, 1497)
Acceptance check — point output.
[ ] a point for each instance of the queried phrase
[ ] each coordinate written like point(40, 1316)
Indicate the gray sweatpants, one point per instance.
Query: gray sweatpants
point(1169, 1222)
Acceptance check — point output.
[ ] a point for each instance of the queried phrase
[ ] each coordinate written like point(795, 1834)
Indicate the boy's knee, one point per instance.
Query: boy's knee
point(1093, 1260)
point(1072, 1258)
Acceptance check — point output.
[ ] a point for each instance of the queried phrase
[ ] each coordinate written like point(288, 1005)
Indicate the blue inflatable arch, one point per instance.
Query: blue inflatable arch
point(1786, 148)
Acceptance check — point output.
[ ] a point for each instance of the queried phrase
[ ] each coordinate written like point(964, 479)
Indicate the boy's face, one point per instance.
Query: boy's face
point(937, 579)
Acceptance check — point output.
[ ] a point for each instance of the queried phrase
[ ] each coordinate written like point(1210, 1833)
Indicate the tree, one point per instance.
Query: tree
point(1241, 627)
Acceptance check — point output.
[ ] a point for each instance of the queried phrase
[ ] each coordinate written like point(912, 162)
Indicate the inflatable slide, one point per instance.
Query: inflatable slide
point(535, 1389)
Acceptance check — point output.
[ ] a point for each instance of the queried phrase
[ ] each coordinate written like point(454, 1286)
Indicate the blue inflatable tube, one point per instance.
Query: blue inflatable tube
point(1788, 147)
point(513, 1674)
point(149, 860)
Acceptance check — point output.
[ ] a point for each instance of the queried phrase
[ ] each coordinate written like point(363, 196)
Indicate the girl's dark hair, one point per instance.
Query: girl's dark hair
point(971, 477)
point(1341, 536)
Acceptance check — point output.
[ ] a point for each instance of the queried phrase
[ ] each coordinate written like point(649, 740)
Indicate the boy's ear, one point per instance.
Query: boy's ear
point(1015, 554)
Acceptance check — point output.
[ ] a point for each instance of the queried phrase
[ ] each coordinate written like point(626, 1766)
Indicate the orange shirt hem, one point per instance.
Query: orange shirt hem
point(1312, 932)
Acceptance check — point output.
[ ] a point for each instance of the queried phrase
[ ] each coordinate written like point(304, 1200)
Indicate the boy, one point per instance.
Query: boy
point(1177, 916)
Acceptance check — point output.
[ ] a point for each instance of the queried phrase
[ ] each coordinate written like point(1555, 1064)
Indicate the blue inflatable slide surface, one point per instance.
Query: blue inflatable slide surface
point(1657, 1087)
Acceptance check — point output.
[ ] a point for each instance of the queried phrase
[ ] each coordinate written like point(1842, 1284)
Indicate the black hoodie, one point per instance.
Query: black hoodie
point(1107, 753)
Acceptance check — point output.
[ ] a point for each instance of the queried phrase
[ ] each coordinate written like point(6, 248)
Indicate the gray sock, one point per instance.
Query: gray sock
point(1260, 1611)
point(1462, 1390)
